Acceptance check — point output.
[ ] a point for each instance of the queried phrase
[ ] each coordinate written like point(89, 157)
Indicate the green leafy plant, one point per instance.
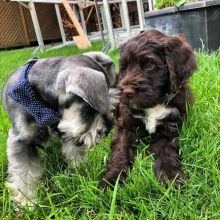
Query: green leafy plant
point(168, 3)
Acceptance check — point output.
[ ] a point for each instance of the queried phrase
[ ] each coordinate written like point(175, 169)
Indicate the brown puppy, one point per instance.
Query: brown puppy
point(154, 69)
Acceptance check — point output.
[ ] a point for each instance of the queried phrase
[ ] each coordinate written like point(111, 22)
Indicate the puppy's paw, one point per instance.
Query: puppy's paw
point(22, 197)
point(178, 178)
point(76, 160)
point(108, 181)
point(103, 184)
point(168, 174)
point(74, 155)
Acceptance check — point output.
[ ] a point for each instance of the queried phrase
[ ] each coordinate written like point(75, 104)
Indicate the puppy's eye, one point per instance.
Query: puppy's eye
point(99, 132)
point(149, 66)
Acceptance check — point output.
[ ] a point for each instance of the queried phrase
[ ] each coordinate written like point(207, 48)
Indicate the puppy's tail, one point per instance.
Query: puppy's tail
point(114, 95)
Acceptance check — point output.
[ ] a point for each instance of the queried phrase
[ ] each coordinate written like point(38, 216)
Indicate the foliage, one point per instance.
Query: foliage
point(168, 3)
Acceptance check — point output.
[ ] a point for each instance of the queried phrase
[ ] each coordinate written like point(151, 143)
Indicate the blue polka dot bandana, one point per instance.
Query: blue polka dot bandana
point(22, 92)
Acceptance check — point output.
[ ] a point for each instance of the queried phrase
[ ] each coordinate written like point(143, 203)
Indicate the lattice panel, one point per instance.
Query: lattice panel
point(48, 22)
point(11, 26)
point(15, 31)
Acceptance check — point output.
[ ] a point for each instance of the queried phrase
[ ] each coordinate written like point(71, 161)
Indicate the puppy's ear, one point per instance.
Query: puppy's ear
point(107, 63)
point(180, 60)
point(91, 86)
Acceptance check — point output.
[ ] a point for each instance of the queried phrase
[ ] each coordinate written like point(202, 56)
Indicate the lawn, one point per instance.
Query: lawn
point(73, 194)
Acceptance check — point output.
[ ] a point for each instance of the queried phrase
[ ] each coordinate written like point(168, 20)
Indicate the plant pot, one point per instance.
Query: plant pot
point(198, 21)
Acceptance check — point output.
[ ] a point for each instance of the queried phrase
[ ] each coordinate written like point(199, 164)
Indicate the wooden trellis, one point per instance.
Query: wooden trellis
point(17, 28)
point(106, 15)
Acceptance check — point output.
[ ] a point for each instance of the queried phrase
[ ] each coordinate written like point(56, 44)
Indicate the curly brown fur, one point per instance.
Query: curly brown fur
point(153, 75)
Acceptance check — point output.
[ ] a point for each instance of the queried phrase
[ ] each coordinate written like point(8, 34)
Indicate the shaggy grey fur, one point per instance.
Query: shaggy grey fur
point(79, 88)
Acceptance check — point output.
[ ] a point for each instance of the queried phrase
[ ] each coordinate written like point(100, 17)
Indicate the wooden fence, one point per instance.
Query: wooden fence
point(16, 27)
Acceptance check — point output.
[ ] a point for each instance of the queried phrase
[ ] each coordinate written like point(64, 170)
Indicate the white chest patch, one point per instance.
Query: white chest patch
point(153, 115)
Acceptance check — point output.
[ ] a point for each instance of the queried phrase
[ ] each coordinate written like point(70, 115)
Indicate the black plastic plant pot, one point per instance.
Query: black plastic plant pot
point(198, 21)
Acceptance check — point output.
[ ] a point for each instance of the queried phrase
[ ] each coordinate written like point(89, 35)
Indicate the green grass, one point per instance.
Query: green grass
point(65, 194)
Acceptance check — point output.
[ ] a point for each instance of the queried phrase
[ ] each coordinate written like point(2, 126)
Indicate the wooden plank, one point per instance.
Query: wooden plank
point(45, 1)
point(99, 22)
point(24, 5)
point(104, 23)
point(154, 3)
point(57, 9)
point(84, 4)
point(82, 40)
point(126, 17)
point(150, 5)
point(82, 17)
point(70, 1)
point(36, 25)
point(122, 16)
point(140, 14)
point(109, 23)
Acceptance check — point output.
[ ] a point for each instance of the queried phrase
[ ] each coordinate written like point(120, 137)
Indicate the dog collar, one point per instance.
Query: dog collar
point(22, 92)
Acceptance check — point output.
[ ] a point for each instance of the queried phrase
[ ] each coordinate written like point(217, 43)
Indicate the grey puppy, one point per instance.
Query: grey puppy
point(80, 89)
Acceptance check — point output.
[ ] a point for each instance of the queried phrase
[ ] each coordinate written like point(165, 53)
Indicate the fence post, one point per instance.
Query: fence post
point(140, 14)
point(109, 23)
point(36, 25)
point(60, 23)
point(125, 17)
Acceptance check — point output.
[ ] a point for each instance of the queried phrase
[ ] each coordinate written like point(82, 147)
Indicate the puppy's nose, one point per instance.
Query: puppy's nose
point(128, 91)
